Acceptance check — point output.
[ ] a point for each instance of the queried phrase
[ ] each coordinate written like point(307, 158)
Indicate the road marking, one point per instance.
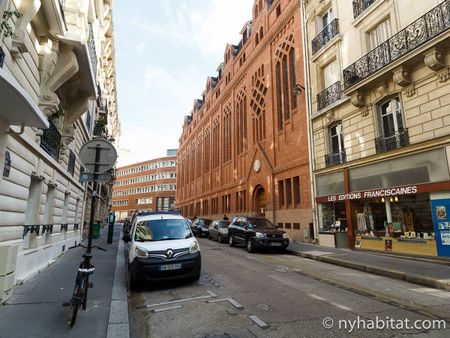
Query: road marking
point(173, 302)
point(342, 307)
point(259, 322)
point(316, 297)
point(231, 300)
point(433, 292)
point(211, 293)
point(162, 309)
point(254, 258)
point(317, 253)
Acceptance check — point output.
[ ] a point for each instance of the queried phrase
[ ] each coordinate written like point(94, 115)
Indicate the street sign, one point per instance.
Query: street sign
point(107, 155)
point(89, 177)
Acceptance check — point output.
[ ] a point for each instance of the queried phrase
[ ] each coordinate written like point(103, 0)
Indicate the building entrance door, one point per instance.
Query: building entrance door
point(260, 201)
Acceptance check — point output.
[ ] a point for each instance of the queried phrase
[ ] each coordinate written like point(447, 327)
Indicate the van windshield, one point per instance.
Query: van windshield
point(161, 230)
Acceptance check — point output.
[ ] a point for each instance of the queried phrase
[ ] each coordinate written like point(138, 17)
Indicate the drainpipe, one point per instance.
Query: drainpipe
point(308, 120)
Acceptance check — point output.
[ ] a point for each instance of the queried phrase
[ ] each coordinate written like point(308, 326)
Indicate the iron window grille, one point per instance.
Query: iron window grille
point(325, 36)
point(51, 141)
point(329, 96)
point(394, 141)
point(359, 6)
point(431, 24)
point(335, 158)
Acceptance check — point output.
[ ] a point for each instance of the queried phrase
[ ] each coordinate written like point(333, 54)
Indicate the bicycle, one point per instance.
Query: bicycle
point(79, 296)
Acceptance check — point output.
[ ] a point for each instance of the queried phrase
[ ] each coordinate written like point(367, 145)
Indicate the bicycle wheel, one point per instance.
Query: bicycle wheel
point(76, 301)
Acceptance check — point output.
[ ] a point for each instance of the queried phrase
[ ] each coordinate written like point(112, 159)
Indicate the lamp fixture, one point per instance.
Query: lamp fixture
point(297, 89)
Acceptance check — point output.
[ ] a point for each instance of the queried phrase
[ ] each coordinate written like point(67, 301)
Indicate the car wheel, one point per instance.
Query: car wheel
point(219, 238)
point(250, 247)
point(196, 276)
point(209, 237)
point(231, 241)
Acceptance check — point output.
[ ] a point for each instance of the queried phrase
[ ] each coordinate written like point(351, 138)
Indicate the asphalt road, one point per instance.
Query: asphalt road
point(273, 295)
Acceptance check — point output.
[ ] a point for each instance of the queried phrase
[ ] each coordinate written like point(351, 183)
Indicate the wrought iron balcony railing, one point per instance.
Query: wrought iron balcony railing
point(420, 31)
point(51, 141)
point(92, 52)
point(325, 36)
point(386, 143)
point(360, 6)
point(329, 96)
point(335, 158)
point(2, 57)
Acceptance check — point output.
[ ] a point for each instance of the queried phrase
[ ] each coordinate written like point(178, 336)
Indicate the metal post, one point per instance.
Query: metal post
point(94, 198)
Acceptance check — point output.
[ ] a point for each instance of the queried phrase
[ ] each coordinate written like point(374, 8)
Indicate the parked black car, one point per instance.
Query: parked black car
point(200, 227)
point(219, 230)
point(256, 233)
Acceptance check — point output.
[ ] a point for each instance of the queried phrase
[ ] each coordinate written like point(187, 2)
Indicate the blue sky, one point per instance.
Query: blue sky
point(165, 50)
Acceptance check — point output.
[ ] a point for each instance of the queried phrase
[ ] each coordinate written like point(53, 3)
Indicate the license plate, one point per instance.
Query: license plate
point(275, 244)
point(170, 267)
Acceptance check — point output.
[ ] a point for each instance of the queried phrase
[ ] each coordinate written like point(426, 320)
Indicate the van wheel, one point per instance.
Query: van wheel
point(230, 241)
point(132, 283)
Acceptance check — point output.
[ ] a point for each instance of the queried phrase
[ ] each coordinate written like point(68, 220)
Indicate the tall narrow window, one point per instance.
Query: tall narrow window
point(379, 34)
point(336, 139)
point(281, 193)
point(293, 76)
point(288, 187)
point(330, 74)
point(279, 96)
point(391, 117)
point(296, 190)
point(286, 93)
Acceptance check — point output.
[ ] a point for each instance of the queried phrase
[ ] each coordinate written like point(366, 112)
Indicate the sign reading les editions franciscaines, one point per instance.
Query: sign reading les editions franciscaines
point(374, 193)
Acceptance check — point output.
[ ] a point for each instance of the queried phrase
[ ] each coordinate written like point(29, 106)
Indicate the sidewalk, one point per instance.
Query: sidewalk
point(35, 309)
point(419, 271)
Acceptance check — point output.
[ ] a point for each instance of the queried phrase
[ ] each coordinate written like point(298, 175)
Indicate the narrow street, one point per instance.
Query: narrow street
point(273, 295)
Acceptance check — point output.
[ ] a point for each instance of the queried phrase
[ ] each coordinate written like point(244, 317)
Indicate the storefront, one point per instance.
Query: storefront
point(398, 205)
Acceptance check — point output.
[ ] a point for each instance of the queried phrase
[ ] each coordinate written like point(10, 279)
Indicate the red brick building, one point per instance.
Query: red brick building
point(145, 186)
point(244, 147)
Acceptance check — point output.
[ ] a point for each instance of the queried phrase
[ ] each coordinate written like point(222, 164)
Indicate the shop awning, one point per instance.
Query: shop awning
point(16, 105)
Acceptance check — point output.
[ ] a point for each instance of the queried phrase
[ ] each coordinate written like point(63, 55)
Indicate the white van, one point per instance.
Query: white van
point(161, 246)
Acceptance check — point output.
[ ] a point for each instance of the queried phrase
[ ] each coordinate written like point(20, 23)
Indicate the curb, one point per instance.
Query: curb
point(395, 274)
point(118, 324)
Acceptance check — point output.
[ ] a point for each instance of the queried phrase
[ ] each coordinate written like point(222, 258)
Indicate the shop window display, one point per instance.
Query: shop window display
point(395, 216)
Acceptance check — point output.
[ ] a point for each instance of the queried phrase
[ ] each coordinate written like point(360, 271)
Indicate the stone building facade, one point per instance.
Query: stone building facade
point(380, 122)
point(57, 91)
point(244, 146)
point(145, 186)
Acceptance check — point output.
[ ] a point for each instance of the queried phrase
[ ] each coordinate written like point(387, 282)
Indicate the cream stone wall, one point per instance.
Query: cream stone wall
point(420, 78)
point(63, 68)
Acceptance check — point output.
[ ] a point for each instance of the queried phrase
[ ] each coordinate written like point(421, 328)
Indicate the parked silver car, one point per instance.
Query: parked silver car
point(218, 230)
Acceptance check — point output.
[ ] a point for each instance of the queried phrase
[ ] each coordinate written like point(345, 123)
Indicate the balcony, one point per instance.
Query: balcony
point(386, 143)
point(419, 32)
point(51, 141)
point(92, 52)
point(325, 36)
point(329, 96)
point(359, 6)
point(335, 158)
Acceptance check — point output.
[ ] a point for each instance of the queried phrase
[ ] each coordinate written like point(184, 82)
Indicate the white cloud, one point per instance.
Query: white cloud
point(207, 30)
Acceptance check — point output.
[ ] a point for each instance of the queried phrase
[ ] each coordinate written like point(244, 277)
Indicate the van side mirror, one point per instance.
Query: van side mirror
point(126, 238)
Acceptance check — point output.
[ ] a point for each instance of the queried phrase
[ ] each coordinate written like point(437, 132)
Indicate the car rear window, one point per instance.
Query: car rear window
point(162, 229)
